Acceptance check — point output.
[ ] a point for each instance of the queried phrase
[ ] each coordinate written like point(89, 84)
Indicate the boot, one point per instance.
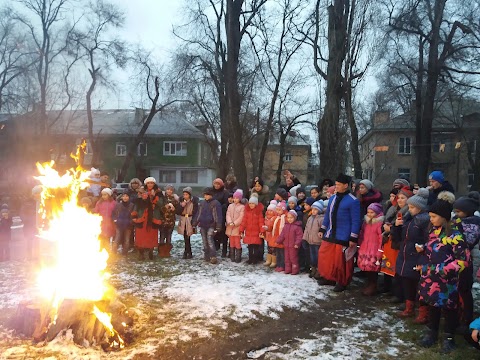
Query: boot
point(168, 249)
point(371, 288)
point(189, 255)
point(295, 269)
point(250, 255)
point(268, 261)
point(316, 276)
point(232, 254)
point(409, 309)
point(323, 282)
point(273, 264)
point(184, 255)
point(224, 250)
point(161, 250)
point(141, 255)
point(422, 317)
point(448, 344)
point(213, 260)
point(313, 270)
point(150, 254)
point(429, 339)
point(339, 288)
point(238, 255)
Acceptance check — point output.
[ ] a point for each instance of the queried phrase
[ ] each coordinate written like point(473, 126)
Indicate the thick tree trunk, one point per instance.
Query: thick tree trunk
point(419, 113)
point(328, 126)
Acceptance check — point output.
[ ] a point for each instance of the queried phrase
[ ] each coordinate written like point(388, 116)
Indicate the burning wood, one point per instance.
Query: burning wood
point(73, 281)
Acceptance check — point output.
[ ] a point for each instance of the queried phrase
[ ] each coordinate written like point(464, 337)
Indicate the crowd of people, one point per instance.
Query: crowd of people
point(420, 239)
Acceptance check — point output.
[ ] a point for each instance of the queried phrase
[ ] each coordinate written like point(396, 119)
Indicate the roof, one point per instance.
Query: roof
point(122, 122)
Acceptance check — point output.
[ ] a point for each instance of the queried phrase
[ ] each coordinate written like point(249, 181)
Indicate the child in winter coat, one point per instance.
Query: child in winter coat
point(310, 236)
point(278, 224)
point(370, 242)
point(410, 230)
point(123, 221)
point(147, 219)
point(168, 224)
point(104, 208)
point(235, 213)
point(291, 239)
point(209, 220)
point(5, 234)
point(270, 216)
point(252, 225)
point(464, 209)
point(293, 205)
point(187, 208)
point(447, 255)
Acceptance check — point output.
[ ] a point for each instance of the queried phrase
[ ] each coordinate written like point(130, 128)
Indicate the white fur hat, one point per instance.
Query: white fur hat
point(149, 179)
point(107, 191)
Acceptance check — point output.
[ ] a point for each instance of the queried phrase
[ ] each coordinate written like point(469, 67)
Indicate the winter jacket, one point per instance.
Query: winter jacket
point(187, 214)
point(291, 235)
point(277, 228)
point(395, 233)
point(299, 212)
point(432, 196)
point(105, 210)
point(209, 215)
point(169, 210)
point(252, 225)
point(471, 230)
point(269, 221)
point(370, 241)
point(122, 215)
point(145, 214)
point(341, 223)
point(414, 231)
point(235, 214)
point(312, 228)
point(5, 229)
point(447, 257)
point(372, 196)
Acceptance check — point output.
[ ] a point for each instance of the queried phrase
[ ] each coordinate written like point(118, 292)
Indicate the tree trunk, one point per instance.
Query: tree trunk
point(419, 113)
point(354, 148)
point(91, 137)
point(328, 127)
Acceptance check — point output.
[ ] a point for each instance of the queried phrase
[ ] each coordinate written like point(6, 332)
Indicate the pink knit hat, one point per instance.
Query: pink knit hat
point(282, 205)
point(238, 194)
point(218, 181)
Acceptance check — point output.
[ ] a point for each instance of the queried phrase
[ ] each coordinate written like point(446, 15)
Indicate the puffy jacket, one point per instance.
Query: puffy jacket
point(413, 231)
point(252, 224)
point(235, 214)
point(312, 228)
point(291, 235)
point(341, 223)
point(105, 210)
point(122, 215)
point(209, 215)
point(432, 196)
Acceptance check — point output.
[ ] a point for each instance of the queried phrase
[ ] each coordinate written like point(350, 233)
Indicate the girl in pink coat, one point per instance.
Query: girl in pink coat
point(370, 241)
point(104, 207)
point(234, 219)
point(291, 238)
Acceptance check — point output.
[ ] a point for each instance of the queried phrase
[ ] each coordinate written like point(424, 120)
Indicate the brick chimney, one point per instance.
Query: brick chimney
point(380, 117)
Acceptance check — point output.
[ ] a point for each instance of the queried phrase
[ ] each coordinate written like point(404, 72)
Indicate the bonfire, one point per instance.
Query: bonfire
point(72, 280)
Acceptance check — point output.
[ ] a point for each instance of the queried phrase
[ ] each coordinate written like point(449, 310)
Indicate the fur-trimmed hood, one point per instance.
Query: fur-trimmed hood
point(375, 220)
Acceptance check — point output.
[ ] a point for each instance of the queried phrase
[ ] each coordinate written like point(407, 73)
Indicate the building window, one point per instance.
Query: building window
point(121, 149)
point(175, 148)
point(404, 146)
point(287, 157)
point(404, 173)
point(142, 149)
point(168, 176)
point(189, 177)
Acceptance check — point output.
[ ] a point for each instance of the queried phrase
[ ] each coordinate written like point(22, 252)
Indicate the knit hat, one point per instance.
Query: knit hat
point(282, 205)
point(406, 191)
point(94, 172)
point(420, 199)
point(437, 175)
point(318, 205)
point(188, 190)
point(376, 208)
point(367, 183)
point(218, 181)
point(4, 206)
point(170, 186)
point(253, 200)
point(238, 194)
point(150, 179)
point(107, 191)
point(344, 179)
point(292, 199)
point(309, 201)
point(208, 191)
point(400, 183)
point(282, 193)
point(4, 211)
point(468, 204)
point(331, 190)
point(293, 212)
point(443, 206)
point(294, 189)
point(272, 206)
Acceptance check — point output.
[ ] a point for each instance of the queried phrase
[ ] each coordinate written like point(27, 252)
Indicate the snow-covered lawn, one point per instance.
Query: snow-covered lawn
point(177, 301)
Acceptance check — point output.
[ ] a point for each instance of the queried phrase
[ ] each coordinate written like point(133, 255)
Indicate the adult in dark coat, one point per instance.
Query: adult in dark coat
point(221, 195)
point(437, 185)
point(367, 195)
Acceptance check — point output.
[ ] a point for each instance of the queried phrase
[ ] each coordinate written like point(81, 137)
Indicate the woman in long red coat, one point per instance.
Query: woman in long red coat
point(252, 224)
point(147, 219)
